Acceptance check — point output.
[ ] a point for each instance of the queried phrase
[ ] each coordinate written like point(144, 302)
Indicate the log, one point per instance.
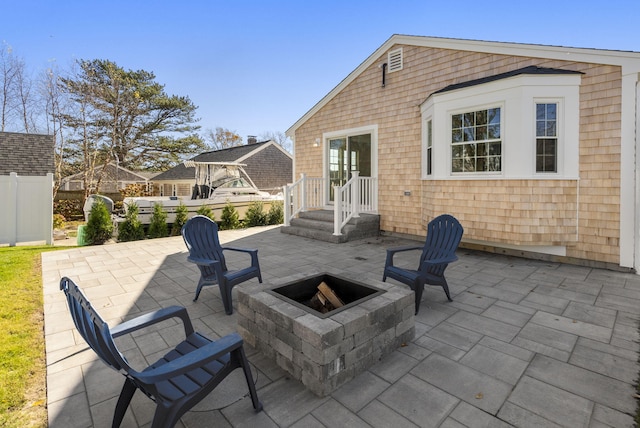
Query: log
point(320, 303)
point(321, 298)
point(330, 295)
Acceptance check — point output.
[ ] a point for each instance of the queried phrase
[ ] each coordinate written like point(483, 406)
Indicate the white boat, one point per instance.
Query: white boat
point(217, 183)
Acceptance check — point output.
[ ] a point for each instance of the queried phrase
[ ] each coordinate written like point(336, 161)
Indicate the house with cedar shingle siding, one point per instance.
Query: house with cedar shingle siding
point(268, 165)
point(531, 147)
point(112, 178)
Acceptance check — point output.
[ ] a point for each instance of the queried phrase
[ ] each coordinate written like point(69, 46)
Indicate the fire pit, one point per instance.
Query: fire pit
point(326, 350)
point(318, 294)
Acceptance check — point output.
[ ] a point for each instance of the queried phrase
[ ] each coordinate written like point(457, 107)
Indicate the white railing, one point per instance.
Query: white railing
point(358, 195)
point(306, 193)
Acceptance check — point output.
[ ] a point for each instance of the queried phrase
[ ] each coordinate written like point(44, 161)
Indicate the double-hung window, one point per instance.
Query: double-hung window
point(429, 146)
point(546, 137)
point(476, 143)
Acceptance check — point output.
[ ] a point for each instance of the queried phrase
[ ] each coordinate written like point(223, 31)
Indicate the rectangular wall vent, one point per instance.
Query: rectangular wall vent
point(394, 60)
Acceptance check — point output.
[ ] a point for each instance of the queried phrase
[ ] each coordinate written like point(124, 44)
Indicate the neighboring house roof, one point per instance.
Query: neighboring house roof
point(620, 58)
point(525, 70)
point(148, 174)
point(112, 172)
point(26, 154)
point(231, 154)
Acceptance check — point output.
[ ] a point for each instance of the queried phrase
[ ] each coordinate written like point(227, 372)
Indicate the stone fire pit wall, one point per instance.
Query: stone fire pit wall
point(326, 353)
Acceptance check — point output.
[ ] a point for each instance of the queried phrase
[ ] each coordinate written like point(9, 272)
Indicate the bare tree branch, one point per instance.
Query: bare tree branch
point(222, 138)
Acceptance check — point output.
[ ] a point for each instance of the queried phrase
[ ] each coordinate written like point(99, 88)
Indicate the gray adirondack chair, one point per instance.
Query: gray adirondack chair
point(200, 235)
point(443, 237)
point(177, 381)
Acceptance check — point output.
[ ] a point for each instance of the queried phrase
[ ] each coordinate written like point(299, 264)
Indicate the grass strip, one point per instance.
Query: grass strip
point(22, 353)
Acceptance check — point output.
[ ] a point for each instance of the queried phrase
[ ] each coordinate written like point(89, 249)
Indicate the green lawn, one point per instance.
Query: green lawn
point(22, 356)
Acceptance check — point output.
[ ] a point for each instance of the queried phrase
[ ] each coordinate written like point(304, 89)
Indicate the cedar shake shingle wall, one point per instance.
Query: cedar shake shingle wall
point(269, 169)
point(517, 212)
point(582, 215)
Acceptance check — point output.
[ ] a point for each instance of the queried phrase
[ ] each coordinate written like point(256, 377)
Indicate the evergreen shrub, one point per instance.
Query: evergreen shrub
point(158, 225)
point(131, 229)
point(99, 227)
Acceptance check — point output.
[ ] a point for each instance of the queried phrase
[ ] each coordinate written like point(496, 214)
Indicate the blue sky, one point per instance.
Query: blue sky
point(258, 66)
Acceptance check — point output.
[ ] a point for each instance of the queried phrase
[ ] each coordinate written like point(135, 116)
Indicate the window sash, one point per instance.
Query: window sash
point(429, 147)
point(546, 137)
point(476, 143)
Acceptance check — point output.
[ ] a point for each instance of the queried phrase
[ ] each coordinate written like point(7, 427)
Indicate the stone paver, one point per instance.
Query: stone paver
point(466, 383)
point(524, 343)
point(554, 404)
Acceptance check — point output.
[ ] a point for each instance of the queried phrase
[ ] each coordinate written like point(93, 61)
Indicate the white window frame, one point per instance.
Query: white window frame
point(428, 145)
point(346, 133)
point(473, 110)
point(517, 97)
point(559, 134)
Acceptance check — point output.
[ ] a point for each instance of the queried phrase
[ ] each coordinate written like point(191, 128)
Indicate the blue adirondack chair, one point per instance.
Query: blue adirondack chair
point(443, 237)
point(200, 234)
point(177, 381)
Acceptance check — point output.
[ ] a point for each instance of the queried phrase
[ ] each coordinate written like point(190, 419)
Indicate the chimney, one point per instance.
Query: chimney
point(252, 139)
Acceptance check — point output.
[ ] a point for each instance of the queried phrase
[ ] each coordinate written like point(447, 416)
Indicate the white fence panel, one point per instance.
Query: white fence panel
point(27, 214)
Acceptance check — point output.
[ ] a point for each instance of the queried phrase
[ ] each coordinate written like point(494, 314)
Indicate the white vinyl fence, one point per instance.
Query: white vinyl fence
point(26, 214)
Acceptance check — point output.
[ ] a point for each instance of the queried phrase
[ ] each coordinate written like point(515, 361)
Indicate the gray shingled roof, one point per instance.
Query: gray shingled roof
point(526, 70)
point(26, 154)
point(111, 172)
point(232, 154)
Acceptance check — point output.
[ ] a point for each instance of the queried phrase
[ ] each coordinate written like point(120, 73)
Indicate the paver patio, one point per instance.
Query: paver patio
point(524, 343)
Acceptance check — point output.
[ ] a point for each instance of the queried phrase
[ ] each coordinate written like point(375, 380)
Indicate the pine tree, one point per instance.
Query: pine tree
point(255, 215)
point(131, 229)
point(230, 219)
point(99, 226)
point(158, 226)
point(181, 218)
point(206, 211)
point(276, 213)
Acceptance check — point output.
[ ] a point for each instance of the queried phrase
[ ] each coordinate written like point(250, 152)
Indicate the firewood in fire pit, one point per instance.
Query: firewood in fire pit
point(325, 300)
point(319, 303)
point(330, 295)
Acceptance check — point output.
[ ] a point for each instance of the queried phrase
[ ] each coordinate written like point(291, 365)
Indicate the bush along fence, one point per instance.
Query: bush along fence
point(99, 228)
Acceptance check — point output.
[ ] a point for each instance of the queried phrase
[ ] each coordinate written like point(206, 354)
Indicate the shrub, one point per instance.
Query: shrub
point(206, 211)
point(181, 218)
point(158, 226)
point(131, 229)
point(255, 216)
point(276, 213)
point(230, 219)
point(68, 208)
point(58, 221)
point(99, 227)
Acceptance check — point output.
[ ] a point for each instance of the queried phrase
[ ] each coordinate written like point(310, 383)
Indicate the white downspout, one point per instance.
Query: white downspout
point(629, 232)
point(636, 236)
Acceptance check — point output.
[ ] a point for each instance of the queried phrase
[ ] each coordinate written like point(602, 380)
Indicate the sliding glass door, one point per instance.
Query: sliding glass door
point(348, 154)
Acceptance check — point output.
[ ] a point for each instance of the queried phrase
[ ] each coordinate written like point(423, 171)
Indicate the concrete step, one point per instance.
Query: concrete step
point(318, 215)
point(318, 235)
point(308, 223)
point(318, 225)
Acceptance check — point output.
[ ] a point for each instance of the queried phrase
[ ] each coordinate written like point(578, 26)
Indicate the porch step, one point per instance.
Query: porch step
point(318, 224)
